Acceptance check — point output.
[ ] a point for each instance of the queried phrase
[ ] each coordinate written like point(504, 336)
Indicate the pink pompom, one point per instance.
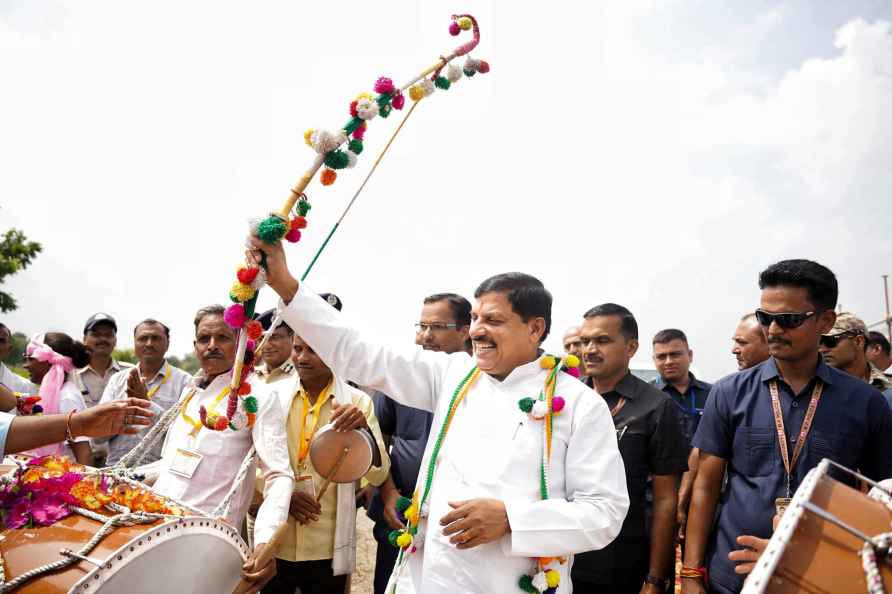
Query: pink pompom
point(398, 101)
point(250, 345)
point(293, 236)
point(557, 404)
point(574, 371)
point(359, 133)
point(454, 29)
point(384, 86)
point(234, 316)
point(483, 67)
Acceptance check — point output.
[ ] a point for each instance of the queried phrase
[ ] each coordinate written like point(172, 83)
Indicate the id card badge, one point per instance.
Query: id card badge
point(185, 462)
point(305, 484)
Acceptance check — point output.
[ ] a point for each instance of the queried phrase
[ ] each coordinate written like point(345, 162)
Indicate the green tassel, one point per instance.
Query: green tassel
point(336, 159)
point(525, 583)
point(233, 298)
point(384, 111)
point(303, 207)
point(526, 404)
point(383, 101)
point(272, 229)
point(251, 404)
point(468, 72)
point(355, 146)
point(403, 503)
point(391, 538)
point(441, 82)
point(352, 125)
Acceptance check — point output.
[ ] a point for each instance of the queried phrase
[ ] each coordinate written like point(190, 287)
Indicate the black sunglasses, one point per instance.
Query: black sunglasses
point(831, 341)
point(787, 321)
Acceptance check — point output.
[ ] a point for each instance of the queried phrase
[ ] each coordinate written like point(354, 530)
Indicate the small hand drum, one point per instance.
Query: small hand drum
point(341, 456)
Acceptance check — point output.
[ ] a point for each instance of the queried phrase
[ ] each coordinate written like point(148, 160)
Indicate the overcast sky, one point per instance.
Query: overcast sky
point(656, 154)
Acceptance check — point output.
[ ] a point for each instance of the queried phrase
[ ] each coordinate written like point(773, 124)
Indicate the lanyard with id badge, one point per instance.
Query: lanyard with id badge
point(782, 503)
point(186, 460)
point(303, 481)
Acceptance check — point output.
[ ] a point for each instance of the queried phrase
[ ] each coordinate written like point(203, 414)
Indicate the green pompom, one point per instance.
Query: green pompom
point(233, 298)
point(385, 111)
point(250, 404)
point(303, 207)
point(355, 146)
point(391, 538)
point(525, 583)
point(468, 72)
point(403, 503)
point(526, 404)
point(272, 229)
point(352, 125)
point(337, 159)
point(441, 82)
point(383, 100)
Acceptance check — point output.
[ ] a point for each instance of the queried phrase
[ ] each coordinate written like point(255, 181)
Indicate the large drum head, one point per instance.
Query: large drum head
point(329, 445)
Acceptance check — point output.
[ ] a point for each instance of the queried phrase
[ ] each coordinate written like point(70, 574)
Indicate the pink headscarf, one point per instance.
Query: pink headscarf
point(52, 382)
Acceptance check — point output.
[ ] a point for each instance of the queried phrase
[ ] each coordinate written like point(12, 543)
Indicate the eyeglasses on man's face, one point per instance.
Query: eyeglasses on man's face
point(421, 327)
point(831, 341)
point(787, 321)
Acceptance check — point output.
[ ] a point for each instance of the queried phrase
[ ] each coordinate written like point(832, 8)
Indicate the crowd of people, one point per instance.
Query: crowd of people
point(496, 465)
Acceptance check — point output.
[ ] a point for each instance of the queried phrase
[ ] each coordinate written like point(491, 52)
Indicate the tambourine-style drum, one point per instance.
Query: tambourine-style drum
point(342, 456)
point(190, 554)
point(817, 546)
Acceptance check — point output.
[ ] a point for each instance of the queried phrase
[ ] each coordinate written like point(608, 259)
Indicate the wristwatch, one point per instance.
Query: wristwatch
point(656, 581)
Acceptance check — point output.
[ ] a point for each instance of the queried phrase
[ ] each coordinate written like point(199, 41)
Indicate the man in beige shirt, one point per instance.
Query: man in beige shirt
point(276, 354)
point(318, 552)
point(101, 337)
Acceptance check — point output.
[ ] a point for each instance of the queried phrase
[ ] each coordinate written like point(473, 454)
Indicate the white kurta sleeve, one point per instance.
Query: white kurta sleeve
point(597, 499)
point(271, 442)
point(410, 376)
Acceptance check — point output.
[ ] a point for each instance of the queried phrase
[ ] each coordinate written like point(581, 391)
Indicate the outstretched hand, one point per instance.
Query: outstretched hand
point(277, 274)
point(126, 416)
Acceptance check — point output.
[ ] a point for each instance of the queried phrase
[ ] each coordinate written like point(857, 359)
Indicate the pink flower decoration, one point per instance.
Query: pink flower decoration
point(384, 86)
point(557, 404)
point(18, 516)
point(47, 509)
point(234, 316)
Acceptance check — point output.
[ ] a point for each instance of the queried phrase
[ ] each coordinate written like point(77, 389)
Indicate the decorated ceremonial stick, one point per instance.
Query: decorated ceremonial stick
point(288, 222)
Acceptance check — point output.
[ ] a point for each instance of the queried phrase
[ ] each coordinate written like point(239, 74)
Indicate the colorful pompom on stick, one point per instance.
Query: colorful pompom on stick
point(557, 404)
point(483, 67)
point(293, 236)
point(526, 584)
point(547, 362)
point(234, 316)
point(241, 292)
point(355, 146)
point(574, 371)
point(398, 101)
point(571, 361)
point(465, 23)
point(403, 503)
point(540, 409)
point(454, 29)
point(246, 275)
point(404, 540)
point(553, 577)
point(328, 177)
point(250, 404)
point(442, 82)
point(272, 229)
point(526, 404)
point(244, 389)
point(254, 330)
point(416, 93)
point(384, 86)
point(299, 222)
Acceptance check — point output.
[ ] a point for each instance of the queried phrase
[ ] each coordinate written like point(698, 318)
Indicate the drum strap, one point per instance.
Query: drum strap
point(790, 462)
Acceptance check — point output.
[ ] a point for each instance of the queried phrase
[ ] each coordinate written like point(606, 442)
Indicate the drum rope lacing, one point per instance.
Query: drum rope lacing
point(869, 552)
point(108, 526)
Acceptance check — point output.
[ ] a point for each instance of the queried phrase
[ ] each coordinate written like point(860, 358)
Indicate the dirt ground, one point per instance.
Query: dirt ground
point(363, 577)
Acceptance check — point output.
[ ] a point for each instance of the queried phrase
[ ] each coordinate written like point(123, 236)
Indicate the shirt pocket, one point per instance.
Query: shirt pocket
point(758, 445)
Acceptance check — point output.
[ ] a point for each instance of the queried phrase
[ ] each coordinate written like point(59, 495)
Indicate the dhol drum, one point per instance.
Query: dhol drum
point(822, 540)
point(342, 456)
point(158, 553)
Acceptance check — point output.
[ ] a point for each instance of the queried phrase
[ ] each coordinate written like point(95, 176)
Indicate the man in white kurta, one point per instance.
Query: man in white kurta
point(491, 454)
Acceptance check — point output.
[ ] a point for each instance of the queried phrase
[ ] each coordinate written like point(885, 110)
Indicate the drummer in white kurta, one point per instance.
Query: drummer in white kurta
point(485, 517)
point(198, 465)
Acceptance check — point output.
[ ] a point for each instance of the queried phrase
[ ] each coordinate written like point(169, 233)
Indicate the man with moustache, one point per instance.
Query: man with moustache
point(198, 465)
point(845, 348)
point(442, 327)
point(487, 518)
point(750, 346)
point(653, 447)
point(153, 379)
point(770, 424)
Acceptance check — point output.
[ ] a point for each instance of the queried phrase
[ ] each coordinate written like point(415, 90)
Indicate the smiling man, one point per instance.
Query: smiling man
point(483, 519)
point(770, 424)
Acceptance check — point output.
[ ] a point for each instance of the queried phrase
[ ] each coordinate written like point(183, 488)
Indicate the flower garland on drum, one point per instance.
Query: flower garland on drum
point(44, 491)
point(546, 577)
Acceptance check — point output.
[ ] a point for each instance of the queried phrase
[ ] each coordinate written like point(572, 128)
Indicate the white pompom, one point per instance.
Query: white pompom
point(540, 409)
point(472, 64)
point(453, 73)
point(427, 85)
point(540, 582)
point(351, 159)
point(325, 141)
point(259, 280)
point(366, 109)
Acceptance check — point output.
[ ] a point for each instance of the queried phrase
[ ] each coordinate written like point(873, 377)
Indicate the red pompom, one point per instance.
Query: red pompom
point(359, 133)
point(454, 29)
point(353, 111)
point(483, 67)
point(398, 101)
point(299, 222)
point(246, 276)
point(328, 177)
point(293, 236)
point(255, 330)
point(222, 423)
point(384, 86)
point(244, 389)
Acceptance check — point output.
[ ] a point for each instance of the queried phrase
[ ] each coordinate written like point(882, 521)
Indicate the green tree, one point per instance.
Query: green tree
point(16, 253)
point(125, 355)
point(17, 352)
point(188, 363)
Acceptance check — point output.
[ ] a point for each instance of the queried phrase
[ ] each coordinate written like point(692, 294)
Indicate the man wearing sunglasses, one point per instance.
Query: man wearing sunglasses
point(770, 424)
point(845, 348)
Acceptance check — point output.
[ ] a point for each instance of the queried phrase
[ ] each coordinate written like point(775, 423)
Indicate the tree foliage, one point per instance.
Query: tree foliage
point(16, 254)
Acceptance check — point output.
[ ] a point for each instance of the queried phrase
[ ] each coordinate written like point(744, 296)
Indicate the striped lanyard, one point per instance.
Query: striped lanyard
point(790, 463)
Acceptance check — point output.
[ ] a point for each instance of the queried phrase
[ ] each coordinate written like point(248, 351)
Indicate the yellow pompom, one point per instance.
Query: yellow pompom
point(368, 96)
point(416, 93)
point(411, 514)
point(547, 362)
point(572, 361)
point(308, 136)
point(465, 23)
point(553, 577)
point(403, 540)
point(241, 292)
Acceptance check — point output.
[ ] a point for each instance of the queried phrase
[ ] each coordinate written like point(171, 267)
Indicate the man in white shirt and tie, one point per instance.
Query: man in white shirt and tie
point(522, 468)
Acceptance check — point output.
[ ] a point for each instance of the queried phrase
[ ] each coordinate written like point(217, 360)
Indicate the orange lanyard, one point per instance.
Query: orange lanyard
point(790, 463)
point(197, 424)
point(617, 407)
point(314, 411)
